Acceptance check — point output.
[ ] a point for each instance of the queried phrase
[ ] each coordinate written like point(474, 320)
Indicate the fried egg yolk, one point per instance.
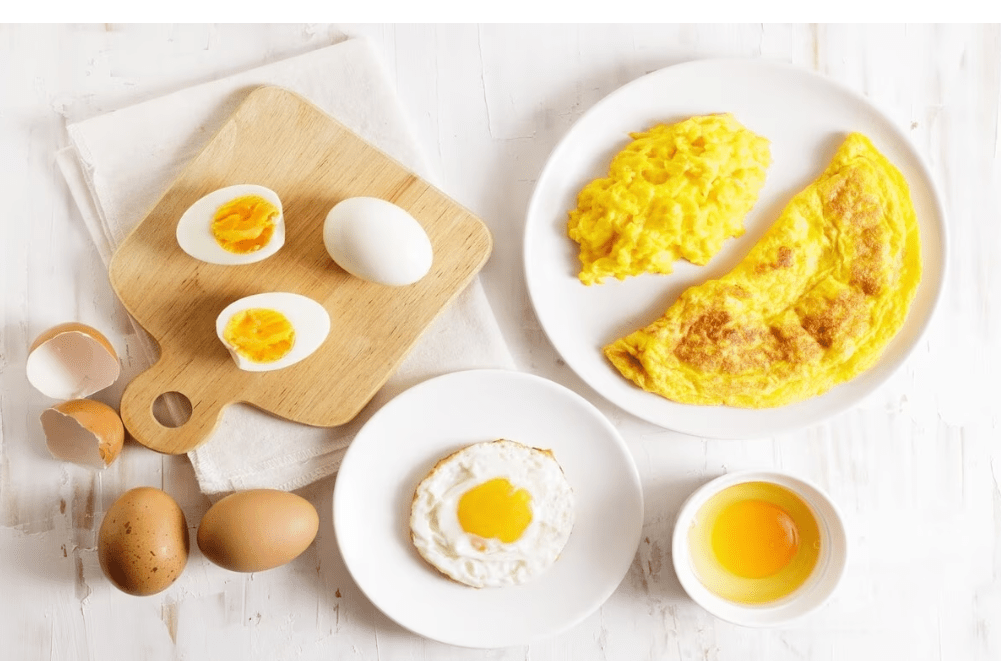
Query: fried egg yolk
point(259, 334)
point(754, 538)
point(495, 509)
point(244, 225)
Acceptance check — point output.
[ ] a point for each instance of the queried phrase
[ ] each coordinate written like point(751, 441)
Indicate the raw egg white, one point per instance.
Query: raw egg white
point(273, 330)
point(239, 224)
point(376, 240)
point(493, 514)
point(754, 543)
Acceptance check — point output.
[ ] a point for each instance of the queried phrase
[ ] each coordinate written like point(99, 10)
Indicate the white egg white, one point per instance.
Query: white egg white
point(439, 538)
point(194, 229)
point(309, 319)
point(376, 240)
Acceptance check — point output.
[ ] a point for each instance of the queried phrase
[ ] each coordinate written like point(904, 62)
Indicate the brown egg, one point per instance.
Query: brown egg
point(83, 431)
point(143, 542)
point(257, 530)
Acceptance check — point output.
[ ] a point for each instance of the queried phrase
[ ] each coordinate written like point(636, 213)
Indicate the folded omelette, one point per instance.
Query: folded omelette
point(812, 305)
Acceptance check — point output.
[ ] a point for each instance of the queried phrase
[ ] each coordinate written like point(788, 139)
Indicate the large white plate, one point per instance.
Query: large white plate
point(806, 117)
point(400, 444)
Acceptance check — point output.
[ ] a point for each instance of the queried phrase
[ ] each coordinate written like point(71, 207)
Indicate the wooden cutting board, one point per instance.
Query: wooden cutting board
point(279, 140)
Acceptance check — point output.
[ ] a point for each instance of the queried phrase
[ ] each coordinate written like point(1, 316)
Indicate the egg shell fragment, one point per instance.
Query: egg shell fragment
point(71, 361)
point(84, 432)
point(194, 228)
point(309, 319)
point(378, 241)
point(257, 530)
point(143, 542)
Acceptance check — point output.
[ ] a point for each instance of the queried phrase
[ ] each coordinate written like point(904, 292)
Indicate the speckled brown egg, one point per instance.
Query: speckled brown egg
point(143, 542)
point(257, 530)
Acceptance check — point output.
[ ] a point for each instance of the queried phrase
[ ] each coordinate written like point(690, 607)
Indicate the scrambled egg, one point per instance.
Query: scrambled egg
point(812, 305)
point(676, 191)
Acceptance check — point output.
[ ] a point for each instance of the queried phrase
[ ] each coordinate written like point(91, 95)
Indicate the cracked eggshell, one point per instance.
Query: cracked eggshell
point(194, 228)
point(143, 542)
point(376, 240)
point(83, 431)
point(71, 361)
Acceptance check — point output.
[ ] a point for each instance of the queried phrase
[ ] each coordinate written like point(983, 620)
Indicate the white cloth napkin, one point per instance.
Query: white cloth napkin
point(118, 165)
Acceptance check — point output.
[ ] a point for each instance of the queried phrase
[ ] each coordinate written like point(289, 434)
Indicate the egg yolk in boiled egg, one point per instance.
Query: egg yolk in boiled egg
point(259, 334)
point(244, 225)
point(495, 509)
point(754, 543)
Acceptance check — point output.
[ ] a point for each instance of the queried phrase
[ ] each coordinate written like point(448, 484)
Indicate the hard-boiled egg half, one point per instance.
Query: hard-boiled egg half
point(273, 330)
point(376, 240)
point(239, 224)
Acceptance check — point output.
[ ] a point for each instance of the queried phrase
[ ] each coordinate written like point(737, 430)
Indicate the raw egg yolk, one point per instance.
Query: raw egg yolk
point(245, 224)
point(754, 538)
point(495, 509)
point(260, 335)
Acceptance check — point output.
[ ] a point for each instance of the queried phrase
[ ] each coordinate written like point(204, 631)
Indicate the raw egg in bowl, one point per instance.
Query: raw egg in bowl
point(759, 548)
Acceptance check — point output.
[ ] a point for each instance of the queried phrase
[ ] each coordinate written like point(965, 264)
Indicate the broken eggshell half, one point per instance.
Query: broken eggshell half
point(83, 431)
point(70, 361)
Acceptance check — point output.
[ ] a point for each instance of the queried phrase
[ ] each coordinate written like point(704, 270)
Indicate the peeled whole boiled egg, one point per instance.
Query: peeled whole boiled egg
point(239, 224)
point(273, 330)
point(493, 514)
point(83, 431)
point(70, 361)
point(376, 240)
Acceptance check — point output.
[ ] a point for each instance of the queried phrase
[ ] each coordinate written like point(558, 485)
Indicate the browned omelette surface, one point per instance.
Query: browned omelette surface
point(812, 305)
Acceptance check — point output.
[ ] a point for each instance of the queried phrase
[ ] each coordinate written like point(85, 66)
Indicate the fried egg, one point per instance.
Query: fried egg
point(675, 192)
point(493, 514)
point(812, 305)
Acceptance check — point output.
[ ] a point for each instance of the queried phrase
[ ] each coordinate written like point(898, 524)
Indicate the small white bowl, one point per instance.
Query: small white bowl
point(808, 597)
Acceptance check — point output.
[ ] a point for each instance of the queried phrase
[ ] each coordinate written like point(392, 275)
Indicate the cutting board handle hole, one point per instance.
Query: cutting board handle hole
point(172, 409)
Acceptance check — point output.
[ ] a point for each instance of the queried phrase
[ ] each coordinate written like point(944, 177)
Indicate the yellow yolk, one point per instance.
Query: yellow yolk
point(754, 538)
point(260, 335)
point(245, 224)
point(495, 509)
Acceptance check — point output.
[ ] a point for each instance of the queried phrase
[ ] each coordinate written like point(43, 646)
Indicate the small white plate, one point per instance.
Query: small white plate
point(806, 117)
point(400, 444)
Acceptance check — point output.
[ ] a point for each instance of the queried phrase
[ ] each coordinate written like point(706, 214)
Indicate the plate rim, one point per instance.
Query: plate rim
point(613, 435)
point(940, 222)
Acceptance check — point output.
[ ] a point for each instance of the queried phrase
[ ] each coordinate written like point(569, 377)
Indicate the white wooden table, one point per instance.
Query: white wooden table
point(915, 468)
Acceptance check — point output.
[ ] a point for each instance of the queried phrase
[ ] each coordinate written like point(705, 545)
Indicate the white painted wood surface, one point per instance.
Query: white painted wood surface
point(915, 468)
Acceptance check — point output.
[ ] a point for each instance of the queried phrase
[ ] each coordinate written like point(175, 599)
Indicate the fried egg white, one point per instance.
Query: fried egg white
point(493, 514)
